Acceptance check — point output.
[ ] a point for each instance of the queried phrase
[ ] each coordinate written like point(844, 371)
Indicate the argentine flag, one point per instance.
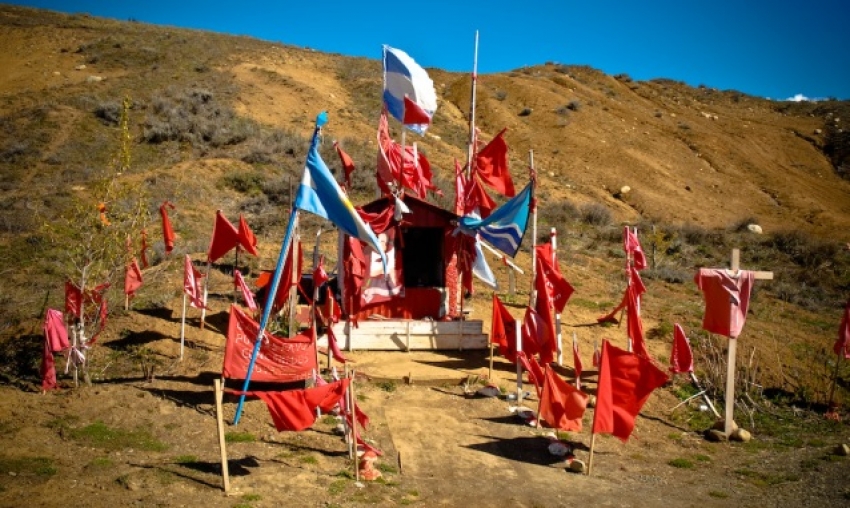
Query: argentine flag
point(404, 77)
point(320, 194)
point(505, 227)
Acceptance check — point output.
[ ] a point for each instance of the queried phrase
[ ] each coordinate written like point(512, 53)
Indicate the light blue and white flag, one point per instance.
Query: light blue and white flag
point(404, 77)
point(320, 194)
point(481, 269)
point(505, 227)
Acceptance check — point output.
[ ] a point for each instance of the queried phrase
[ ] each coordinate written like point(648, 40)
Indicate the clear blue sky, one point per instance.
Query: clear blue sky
point(774, 49)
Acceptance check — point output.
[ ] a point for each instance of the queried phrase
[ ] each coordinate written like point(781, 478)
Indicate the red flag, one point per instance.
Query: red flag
point(143, 251)
point(246, 237)
point(102, 314)
point(332, 344)
point(414, 114)
point(548, 338)
point(634, 326)
point(532, 332)
point(132, 279)
point(681, 359)
point(631, 245)
point(192, 284)
point(224, 237)
point(843, 342)
point(559, 289)
point(491, 165)
point(55, 340)
point(320, 276)
point(535, 372)
point(296, 409)
point(347, 163)
point(635, 287)
point(477, 197)
point(503, 330)
point(626, 381)
point(561, 405)
point(577, 366)
point(264, 280)
point(167, 231)
point(73, 299)
point(246, 292)
point(460, 189)
point(278, 360)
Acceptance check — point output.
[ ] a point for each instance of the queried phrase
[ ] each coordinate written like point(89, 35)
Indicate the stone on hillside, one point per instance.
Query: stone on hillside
point(525, 112)
point(80, 67)
point(818, 131)
point(94, 79)
point(841, 450)
point(754, 228)
point(625, 189)
point(577, 466)
point(741, 435)
point(716, 436)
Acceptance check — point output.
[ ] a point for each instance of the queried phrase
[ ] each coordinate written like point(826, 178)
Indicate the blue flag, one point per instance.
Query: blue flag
point(320, 194)
point(505, 227)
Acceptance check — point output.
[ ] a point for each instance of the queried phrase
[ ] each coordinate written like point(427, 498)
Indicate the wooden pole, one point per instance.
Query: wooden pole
point(183, 326)
point(294, 279)
point(590, 458)
point(348, 435)
point(206, 284)
point(471, 146)
point(553, 235)
point(225, 474)
point(834, 380)
point(490, 371)
point(532, 299)
point(351, 408)
point(518, 331)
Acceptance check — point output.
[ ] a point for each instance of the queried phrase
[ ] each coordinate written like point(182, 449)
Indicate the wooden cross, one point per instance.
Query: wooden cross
point(732, 346)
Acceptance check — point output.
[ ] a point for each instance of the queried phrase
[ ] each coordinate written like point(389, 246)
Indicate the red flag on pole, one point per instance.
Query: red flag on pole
point(460, 190)
point(626, 381)
point(246, 237)
point(132, 278)
point(55, 340)
point(558, 288)
point(224, 237)
point(246, 292)
point(503, 330)
point(843, 342)
point(681, 358)
point(73, 299)
point(631, 245)
point(296, 409)
point(544, 306)
point(347, 164)
point(320, 276)
point(562, 406)
point(265, 278)
point(491, 165)
point(167, 231)
point(192, 285)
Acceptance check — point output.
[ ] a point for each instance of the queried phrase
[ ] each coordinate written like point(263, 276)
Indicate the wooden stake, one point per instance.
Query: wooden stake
point(206, 284)
point(834, 380)
point(183, 327)
point(225, 474)
point(353, 411)
point(592, 446)
point(490, 371)
point(518, 331)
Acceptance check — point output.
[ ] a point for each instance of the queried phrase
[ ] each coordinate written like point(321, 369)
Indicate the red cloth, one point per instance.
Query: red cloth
point(727, 299)
point(531, 332)
point(144, 248)
point(354, 262)
point(460, 189)
point(535, 371)
point(246, 292)
point(55, 340)
point(681, 358)
point(635, 286)
point(410, 169)
point(378, 286)
point(265, 278)
point(73, 299)
point(843, 341)
point(347, 163)
point(577, 366)
point(192, 284)
point(477, 197)
point(167, 230)
point(132, 278)
point(320, 276)
point(503, 330)
point(626, 381)
point(561, 406)
point(334, 347)
point(634, 325)
point(278, 360)
point(224, 237)
point(631, 245)
point(296, 409)
point(414, 114)
point(548, 336)
point(246, 237)
point(491, 165)
point(559, 289)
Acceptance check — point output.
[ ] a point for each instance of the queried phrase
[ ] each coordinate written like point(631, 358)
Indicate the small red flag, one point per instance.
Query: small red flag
point(681, 358)
point(192, 284)
point(246, 292)
point(491, 165)
point(631, 245)
point(224, 237)
point(503, 330)
point(246, 237)
point(843, 342)
point(626, 381)
point(132, 278)
point(559, 289)
point(73, 299)
point(562, 406)
point(55, 340)
point(535, 372)
point(332, 344)
point(347, 164)
point(265, 278)
point(167, 231)
point(414, 114)
point(320, 276)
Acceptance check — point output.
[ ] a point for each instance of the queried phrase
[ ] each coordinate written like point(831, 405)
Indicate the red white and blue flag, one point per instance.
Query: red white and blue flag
point(405, 79)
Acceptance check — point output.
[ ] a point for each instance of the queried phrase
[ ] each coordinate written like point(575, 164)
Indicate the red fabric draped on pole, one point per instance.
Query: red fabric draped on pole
point(626, 381)
point(246, 237)
point(192, 284)
point(347, 164)
point(681, 358)
point(296, 409)
point(843, 342)
point(562, 406)
point(132, 278)
point(548, 338)
point(167, 230)
point(559, 289)
point(577, 365)
point(631, 245)
point(55, 340)
point(264, 280)
point(143, 250)
point(224, 237)
point(491, 165)
point(503, 330)
point(246, 292)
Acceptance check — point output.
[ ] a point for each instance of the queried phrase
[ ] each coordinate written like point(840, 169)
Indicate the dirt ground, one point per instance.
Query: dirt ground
point(441, 447)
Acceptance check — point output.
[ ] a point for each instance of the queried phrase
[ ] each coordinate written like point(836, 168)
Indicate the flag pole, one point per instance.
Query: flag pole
point(518, 333)
point(490, 343)
point(578, 374)
point(267, 309)
point(532, 294)
point(183, 326)
point(206, 283)
point(471, 147)
point(595, 413)
point(592, 446)
point(553, 235)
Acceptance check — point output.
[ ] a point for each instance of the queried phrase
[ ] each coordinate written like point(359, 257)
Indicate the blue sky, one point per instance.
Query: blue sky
point(776, 49)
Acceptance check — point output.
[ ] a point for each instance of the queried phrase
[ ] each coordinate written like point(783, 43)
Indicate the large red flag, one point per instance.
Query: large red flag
point(296, 409)
point(491, 164)
point(561, 405)
point(167, 230)
point(503, 330)
point(246, 237)
point(559, 289)
point(224, 237)
point(843, 342)
point(681, 358)
point(246, 292)
point(631, 245)
point(347, 164)
point(626, 381)
point(192, 284)
point(132, 278)
point(278, 360)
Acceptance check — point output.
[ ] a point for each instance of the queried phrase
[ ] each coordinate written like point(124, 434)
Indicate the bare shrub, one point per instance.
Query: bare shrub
point(596, 214)
point(108, 112)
